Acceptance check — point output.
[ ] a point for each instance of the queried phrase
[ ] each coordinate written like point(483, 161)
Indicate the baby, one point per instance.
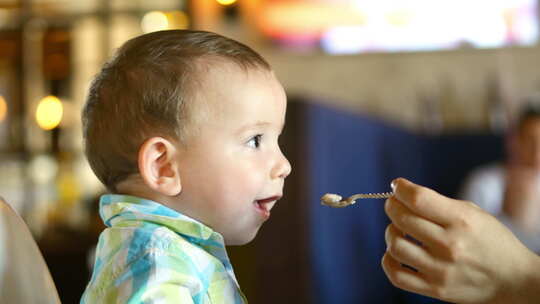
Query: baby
point(182, 127)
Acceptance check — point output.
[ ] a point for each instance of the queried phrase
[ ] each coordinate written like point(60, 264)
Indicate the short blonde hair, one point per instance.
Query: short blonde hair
point(147, 89)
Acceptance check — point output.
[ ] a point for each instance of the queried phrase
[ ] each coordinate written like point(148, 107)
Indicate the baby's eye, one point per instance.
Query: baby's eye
point(255, 141)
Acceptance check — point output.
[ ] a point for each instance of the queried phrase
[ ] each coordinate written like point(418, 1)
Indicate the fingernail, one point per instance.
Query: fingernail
point(393, 185)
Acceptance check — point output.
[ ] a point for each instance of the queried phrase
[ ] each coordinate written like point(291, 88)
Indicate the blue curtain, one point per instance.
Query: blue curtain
point(351, 153)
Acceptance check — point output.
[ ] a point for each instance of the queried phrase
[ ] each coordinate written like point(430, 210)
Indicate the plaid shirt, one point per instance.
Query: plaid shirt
point(153, 254)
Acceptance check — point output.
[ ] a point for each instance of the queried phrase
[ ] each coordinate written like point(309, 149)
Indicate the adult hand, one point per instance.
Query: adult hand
point(465, 255)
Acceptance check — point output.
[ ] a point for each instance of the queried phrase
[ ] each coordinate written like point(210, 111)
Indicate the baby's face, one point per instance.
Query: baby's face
point(232, 171)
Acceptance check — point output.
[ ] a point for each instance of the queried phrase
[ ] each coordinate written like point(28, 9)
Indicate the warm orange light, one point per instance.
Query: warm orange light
point(3, 108)
point(299, 17)
point(226, 2)
point(49, 112)
point(177, 20)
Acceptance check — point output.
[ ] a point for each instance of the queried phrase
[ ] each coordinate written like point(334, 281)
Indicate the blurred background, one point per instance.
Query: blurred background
point(378, 88)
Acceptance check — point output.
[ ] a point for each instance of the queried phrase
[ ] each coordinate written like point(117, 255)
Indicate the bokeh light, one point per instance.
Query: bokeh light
point(154, 21)
point(43, 169)
point(3, 108)
point(49, 112)
point(177, 20)
point(226, 2)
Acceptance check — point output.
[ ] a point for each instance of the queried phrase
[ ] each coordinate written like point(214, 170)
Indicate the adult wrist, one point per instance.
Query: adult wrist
point(526, 283)
point(532, 280)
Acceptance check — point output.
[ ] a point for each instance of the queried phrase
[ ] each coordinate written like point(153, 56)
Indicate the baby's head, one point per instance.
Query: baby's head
point(191, 120)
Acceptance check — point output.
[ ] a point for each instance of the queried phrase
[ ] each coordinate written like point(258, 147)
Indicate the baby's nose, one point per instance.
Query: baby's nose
point(283, 168)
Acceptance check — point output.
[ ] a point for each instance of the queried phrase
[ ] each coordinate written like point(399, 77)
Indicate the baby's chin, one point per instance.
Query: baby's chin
point(239, 240)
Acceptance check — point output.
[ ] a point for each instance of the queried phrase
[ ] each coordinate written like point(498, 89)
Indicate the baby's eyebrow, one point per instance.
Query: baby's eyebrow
point(256, 125)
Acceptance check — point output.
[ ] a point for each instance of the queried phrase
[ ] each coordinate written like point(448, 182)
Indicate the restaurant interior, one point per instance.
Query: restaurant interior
point(377, 89)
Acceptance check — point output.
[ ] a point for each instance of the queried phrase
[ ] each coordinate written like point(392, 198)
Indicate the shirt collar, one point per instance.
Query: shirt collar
point(120, 210)
point(124, 211)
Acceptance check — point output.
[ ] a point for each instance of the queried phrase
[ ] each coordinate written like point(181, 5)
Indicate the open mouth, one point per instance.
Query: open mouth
point(265, 205)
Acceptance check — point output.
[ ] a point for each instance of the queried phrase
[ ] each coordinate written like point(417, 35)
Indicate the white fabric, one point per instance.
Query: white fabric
point(485, 187)
point(24, 276)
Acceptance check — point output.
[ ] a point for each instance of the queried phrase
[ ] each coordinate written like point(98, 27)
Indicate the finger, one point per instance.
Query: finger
point(403, 277)
point(428, 203)
point(419, 228)
point(407, 252)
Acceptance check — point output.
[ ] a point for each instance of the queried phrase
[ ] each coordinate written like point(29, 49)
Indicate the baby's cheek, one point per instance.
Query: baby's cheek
point(245, 188)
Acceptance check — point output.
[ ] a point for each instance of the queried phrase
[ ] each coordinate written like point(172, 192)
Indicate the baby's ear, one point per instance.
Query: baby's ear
point(158, 166)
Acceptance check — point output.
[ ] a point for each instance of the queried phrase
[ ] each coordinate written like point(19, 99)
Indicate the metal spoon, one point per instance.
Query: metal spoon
point(336, 201)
